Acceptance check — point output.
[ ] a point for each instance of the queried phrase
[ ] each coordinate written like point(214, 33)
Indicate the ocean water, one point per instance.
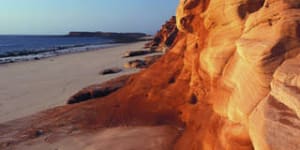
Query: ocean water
point(22, 48)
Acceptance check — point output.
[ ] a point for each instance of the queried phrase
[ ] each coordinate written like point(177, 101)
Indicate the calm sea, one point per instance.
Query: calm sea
point(19, 48)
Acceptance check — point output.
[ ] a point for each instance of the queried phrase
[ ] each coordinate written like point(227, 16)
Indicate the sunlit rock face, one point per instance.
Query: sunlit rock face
point(242, 55)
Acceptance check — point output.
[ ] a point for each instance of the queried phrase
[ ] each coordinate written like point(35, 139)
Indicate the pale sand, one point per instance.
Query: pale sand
point(29, 87)
point(119, 138)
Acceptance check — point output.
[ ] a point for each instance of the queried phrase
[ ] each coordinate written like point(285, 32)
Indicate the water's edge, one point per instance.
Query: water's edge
point(36, 55)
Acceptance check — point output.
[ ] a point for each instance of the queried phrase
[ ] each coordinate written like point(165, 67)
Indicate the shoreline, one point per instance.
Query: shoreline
point(54, 52)
point(29, 87)
point(28, 53)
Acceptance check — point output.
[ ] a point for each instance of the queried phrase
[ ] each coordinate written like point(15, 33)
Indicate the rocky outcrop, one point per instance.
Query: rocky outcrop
point(138, 63)
point(99, 90)
point(165, 37)
point(136, 53)
point(149, 60)
point(239, 54)
point(229, 82)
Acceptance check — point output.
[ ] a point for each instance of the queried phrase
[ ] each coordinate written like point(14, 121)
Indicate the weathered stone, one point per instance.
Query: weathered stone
point(165, 37)
point(110, 71)
point(149, 60)
point(99, 90)
point(136, 53)
point(135, 64)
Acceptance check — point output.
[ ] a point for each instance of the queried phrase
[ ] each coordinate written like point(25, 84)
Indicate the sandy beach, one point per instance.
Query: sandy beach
point(29, 87)
point(118, 138)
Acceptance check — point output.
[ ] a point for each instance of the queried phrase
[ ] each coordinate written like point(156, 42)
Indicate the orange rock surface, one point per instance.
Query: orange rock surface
point(165, 37)
point(230, 82)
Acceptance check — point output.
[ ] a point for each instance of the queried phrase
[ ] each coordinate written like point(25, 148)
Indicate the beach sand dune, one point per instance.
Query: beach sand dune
point(30, 87)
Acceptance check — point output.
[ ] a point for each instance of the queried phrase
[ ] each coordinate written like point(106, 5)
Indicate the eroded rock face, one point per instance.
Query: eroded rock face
point(165, 37)
point(241, 44)
point(230, 81)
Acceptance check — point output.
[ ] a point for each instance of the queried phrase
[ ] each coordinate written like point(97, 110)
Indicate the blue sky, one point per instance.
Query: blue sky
point(62, 16)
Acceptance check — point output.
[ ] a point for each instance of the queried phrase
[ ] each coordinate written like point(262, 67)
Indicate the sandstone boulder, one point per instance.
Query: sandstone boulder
point(137, 63)
point(98, 90)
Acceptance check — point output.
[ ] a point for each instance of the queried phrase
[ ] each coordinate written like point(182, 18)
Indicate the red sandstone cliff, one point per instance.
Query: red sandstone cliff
point(165, 37)
point(230, 81)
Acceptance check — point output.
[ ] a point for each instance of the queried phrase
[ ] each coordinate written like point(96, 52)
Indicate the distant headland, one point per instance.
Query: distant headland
point(118, 37)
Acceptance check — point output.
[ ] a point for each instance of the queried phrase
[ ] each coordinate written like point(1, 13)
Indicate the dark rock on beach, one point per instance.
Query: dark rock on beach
point(110, 71)
point(136, 53)
point(135, 64)
point(99, 90)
